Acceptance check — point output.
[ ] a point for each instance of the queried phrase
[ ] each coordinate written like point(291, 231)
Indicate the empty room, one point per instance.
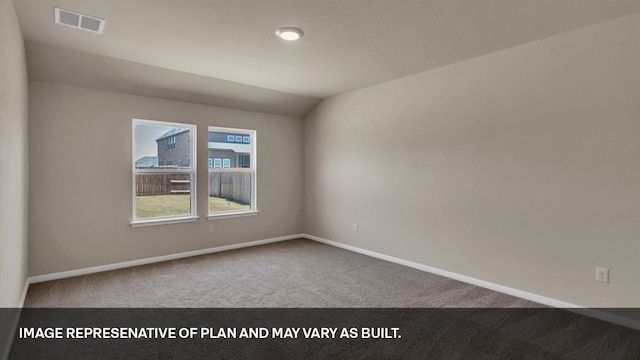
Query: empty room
point(320, 179)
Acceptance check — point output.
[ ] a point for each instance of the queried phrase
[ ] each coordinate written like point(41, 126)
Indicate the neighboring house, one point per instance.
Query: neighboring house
point(228, 150)
point(174, 148)
point(147, 162)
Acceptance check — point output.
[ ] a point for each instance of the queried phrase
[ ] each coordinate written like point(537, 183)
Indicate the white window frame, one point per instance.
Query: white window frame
point(191, 171)
point(252, 169)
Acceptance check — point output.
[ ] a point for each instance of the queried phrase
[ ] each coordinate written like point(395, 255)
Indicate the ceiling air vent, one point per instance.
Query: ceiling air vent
point(79, 21)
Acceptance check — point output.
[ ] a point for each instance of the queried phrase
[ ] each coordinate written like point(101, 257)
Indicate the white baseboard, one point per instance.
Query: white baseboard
point(14, 326)
point(601, 315)
point(157, 259)
point(594, 313)
point(24, 293)
point(451, 275)
point(126, 264)
point(608, 317)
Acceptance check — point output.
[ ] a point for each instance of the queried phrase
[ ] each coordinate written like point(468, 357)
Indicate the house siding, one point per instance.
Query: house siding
point(178, 155)
point(223, 154)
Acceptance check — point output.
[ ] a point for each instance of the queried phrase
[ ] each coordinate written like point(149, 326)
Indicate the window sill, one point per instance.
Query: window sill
point(232, 214)
point(166, 221)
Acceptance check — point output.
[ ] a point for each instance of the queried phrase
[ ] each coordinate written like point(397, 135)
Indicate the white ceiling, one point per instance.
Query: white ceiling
point(348, 44)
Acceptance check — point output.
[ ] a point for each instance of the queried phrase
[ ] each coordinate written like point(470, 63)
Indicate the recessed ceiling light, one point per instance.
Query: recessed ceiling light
point(289, 33)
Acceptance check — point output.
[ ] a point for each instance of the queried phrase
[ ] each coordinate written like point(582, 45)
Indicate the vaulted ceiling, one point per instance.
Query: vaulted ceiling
point(225, 52)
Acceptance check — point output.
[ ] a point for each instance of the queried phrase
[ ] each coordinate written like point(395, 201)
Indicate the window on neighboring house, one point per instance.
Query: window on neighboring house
point(164, 175)
point(244, 161)
point(210, 162)
point(232, 179)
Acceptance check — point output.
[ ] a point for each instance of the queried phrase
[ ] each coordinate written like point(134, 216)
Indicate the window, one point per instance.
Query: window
point(210, 162)
point(244, 161)
point(232, 179)
point(164, 175)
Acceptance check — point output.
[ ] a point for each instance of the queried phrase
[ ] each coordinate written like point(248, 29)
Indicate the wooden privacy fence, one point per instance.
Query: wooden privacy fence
point(235, 186)
point(162, 184)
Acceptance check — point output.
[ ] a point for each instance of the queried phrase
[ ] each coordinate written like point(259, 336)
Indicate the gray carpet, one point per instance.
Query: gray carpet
point(296, 273)
point(301, 283)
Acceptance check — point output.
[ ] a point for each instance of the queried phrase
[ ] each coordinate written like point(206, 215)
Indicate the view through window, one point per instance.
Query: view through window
point(232, 170)
point(163, 170)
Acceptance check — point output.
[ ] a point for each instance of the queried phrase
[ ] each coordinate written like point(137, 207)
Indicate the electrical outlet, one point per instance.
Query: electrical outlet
point(210, 228)
point(355, 226)
point(602, 274)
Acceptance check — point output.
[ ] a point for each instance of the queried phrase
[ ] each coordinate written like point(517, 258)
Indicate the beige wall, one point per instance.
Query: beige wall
point(14, 179)
point(14, 176)
point(521, 167)
point(80, 194)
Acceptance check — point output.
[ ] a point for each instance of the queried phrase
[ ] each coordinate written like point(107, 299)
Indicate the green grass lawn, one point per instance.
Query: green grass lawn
point(174, 205)
point(217, 204)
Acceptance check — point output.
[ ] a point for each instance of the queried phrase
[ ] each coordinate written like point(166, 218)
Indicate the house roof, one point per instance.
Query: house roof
point(147, 161)
point(237, 148)
point(172, 132)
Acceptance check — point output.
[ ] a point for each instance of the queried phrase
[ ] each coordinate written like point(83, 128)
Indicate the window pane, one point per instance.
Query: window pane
point(231, 180)
point(243, 161)
point(160, 146)
point(232, 155)
point(161, 195)
point(229, 191)
point(163, 171)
